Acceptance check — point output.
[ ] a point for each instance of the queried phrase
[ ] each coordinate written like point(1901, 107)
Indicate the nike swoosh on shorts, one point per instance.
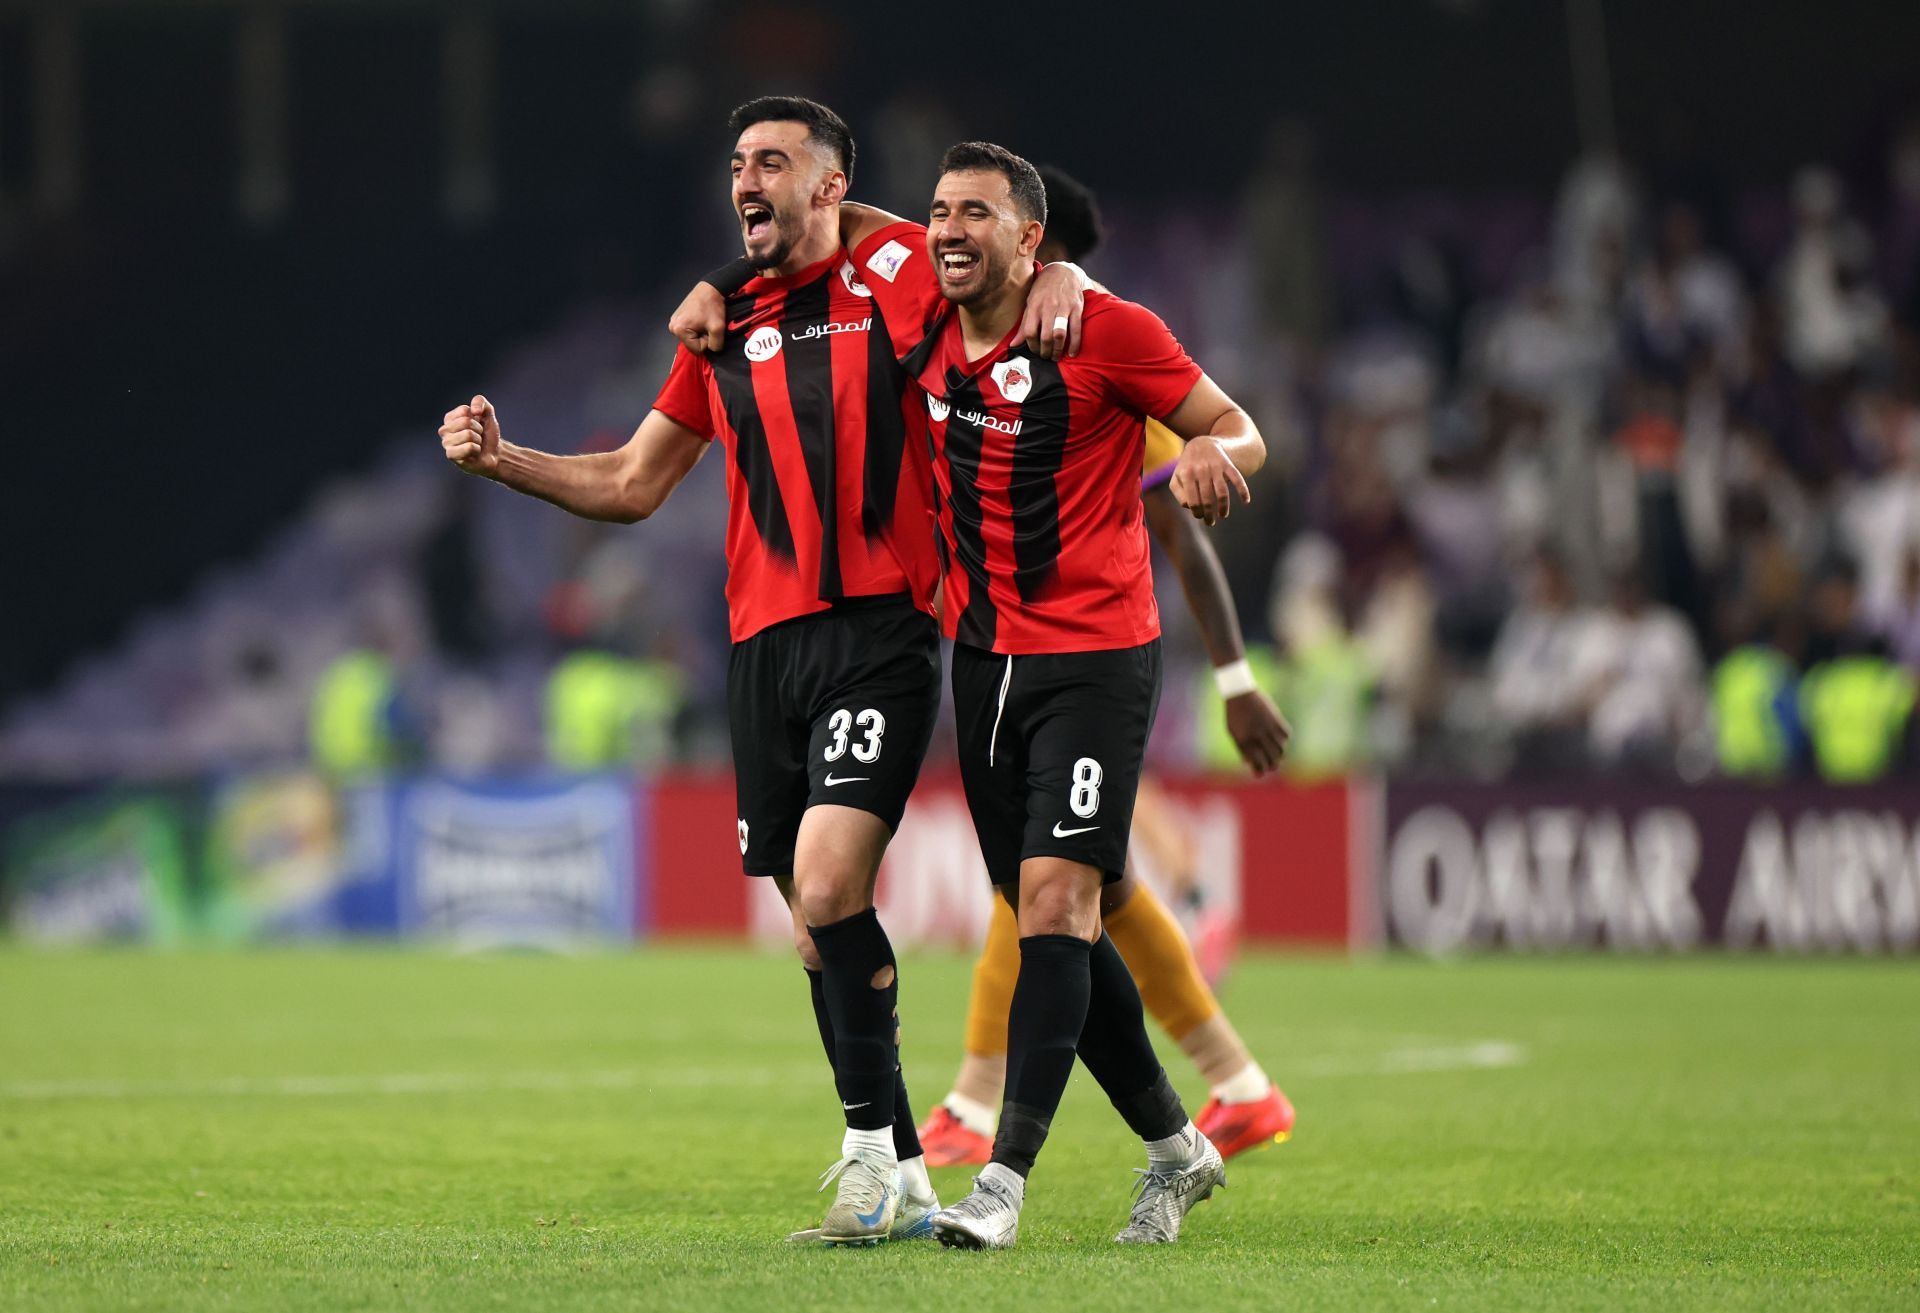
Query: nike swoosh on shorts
point(845, 779)
point(1059, 833)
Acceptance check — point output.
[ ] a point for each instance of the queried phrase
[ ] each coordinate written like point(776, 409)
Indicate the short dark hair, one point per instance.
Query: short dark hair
point(1029, 193)
point(823, 125)
point(1073, 216)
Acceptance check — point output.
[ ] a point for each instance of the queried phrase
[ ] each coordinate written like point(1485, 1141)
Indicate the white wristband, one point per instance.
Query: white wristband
point(1234, 678)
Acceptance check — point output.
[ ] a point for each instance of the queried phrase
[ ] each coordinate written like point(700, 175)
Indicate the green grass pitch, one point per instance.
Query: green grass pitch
point(364, 1129)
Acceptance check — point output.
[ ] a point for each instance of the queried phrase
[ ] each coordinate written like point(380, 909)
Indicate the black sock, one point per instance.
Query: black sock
point(852, 953)
point(906, 1137)
point(1043, 1028)
point(1115, 1046)
point(821, 1018)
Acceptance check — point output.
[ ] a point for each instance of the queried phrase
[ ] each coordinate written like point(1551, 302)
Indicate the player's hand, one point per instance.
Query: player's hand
point(701, 321)
point(1051, 325)
point(470, 436)
point(1205, 480)
point(1258, 730)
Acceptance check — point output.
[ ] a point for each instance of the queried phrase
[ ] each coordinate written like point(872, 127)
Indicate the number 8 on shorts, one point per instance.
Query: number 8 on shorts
point(1085, 798)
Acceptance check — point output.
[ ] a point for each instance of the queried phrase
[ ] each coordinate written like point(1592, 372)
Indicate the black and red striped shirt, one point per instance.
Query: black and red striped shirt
point(827, 481)
point(1037, 466)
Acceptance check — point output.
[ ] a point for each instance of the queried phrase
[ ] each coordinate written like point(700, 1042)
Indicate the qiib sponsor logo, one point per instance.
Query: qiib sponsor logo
point(1622, 866)
point(763, 344)
point(516, 863)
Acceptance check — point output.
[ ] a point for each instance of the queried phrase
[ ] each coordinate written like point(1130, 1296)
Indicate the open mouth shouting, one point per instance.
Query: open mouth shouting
point(756, 220)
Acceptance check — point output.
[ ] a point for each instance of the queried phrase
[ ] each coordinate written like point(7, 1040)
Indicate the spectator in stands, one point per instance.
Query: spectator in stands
point(1643, 675)
point(1880, 517)
point(1541, 670)
point(1756, 723)
point(1897, 623)
point(1834, 625)
point(1326, 683)
point(1709, 294)
point(1834, 316)
point(1858, 710)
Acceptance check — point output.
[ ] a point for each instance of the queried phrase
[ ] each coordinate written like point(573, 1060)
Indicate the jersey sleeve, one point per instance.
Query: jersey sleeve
point(1141, 360)
point(685, 398)
point(1163, 453)
point(893, 265)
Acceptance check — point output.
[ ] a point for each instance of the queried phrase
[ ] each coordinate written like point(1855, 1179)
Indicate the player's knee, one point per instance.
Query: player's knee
point(1059, 900)
point(825, 901)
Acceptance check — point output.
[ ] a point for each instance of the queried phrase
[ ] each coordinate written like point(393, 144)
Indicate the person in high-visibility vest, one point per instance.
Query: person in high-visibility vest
point(606, 710)
point(1857, 709)
point(350, 722)
point(1754, 713)
point(1217, 748)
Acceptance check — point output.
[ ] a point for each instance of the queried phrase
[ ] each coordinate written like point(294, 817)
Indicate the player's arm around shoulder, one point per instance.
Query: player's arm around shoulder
point(1223, 447)
point(1148, 370)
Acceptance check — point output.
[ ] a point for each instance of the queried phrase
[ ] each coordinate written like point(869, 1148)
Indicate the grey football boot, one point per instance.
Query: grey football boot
point(1166, 1193)
point(988, 1218)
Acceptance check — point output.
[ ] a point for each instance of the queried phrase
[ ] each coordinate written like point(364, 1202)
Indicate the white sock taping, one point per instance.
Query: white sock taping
point(1001, 1174)
point(1176, 1150)
point(973, 1114)
point(1244, 1086)
point(868, 1144)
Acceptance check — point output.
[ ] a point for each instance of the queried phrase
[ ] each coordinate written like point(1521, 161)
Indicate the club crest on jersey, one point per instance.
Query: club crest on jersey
point(763, 343)
point(852, 280)
point(1014, 377)
point(887, 260)
point(937, 407)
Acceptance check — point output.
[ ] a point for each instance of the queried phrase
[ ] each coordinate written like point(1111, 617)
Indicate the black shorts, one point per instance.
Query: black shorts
point(830, 708)
point(1050, 751)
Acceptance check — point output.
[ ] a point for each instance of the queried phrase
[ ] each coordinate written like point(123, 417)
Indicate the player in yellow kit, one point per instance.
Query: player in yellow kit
point(1246, 1108)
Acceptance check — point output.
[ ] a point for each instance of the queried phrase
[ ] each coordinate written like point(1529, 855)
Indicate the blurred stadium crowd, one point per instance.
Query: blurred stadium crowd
point(1622, 479)
point(1627, 483)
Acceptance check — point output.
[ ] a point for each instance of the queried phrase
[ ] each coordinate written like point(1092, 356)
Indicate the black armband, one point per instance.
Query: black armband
point(732, 276)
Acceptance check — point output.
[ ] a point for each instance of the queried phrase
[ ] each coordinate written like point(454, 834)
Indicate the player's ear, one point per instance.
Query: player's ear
point(1032, 233)
point(833, 187)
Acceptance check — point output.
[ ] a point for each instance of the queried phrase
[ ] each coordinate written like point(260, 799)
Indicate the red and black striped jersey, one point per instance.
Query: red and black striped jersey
point(828, 491)
point(1037, 463)
point(1037, 466)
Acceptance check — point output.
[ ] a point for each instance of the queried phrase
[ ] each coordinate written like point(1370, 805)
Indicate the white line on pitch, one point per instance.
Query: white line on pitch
point(1485, 1055)
point(398, 1083)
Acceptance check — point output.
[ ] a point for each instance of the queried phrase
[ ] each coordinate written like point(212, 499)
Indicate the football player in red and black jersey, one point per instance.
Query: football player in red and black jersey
point(833, 676)
point(1246, 1109)
point(1049, 598)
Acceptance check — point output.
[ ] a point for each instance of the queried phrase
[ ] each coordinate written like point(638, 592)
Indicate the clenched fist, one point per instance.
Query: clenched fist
point(471, 437)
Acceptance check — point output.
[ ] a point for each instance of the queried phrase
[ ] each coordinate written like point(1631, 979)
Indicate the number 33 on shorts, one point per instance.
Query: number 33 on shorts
point(866, 750)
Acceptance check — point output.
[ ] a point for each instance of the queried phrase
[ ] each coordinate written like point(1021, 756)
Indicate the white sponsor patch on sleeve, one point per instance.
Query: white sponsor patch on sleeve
point(887, 260)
